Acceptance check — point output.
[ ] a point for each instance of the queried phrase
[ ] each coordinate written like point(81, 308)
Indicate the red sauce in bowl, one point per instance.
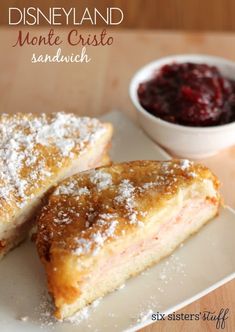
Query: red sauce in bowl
point(189, 94)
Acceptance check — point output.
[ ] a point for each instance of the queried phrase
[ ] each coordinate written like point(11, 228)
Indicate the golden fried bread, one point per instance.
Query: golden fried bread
point(37, 151)
point(102, 226)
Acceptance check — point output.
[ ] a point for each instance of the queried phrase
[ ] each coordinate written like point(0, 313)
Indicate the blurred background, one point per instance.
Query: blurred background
point(210, 15)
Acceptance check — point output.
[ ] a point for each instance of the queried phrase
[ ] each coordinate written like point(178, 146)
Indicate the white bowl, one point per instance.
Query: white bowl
point(184, 141)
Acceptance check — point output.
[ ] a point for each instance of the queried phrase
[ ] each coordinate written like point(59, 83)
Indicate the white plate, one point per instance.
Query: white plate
point(203, 263)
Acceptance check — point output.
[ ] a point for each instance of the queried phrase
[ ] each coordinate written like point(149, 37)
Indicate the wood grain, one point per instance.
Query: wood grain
point(102, 85)
point(151, 14)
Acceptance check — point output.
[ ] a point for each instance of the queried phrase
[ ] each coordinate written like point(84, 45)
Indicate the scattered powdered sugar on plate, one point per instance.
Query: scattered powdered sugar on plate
point(24, 318)
point(169, 267)
point(121, 287)
point(84, 313)
point(144, 316)
point(79, 316)
point(45, 310)
point(42, 314)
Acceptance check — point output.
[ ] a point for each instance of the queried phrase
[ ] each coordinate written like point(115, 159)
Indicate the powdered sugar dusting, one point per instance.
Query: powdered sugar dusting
point(185, 164)
point(102, 179)
point(171, 266)
point(96, 240)
point(126, 196)
point(144, 316)
point(24, 318)
point(69, 189)
point(84, 313)
point(31, 146)
point(106, 196)
point(83, 246)
point(44, 312)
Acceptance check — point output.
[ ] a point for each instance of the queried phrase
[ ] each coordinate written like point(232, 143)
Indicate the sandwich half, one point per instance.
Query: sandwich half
point(37, 151)
point(103, 226)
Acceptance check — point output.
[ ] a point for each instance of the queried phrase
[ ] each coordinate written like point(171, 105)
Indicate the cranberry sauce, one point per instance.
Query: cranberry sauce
point(189, 94)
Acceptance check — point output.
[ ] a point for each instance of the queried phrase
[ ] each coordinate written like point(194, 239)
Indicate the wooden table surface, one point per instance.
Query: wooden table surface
point(102, 85)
